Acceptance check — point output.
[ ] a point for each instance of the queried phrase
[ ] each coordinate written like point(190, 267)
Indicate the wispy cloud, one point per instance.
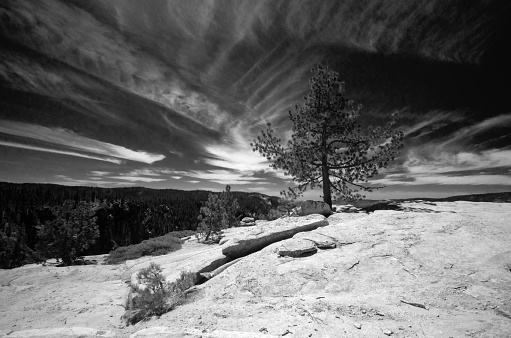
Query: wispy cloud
point(442, 168)
point(445, 162)
point(137, 178)
point(62, 152)
point(66, 180)
point(466, 135)
point(145, 172)
point(70, 139)
point(430, 122)
point(99, 173)
point(235, 152)
point(436, 179)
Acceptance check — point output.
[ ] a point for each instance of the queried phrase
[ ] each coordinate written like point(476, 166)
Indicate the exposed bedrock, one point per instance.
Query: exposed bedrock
point(170, 332)
point(238, 242)
point(256, 238)
point(62, 332)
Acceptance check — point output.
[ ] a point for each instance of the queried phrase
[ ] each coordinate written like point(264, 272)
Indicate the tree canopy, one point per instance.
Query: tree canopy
point(327, 148)
point(72, 232)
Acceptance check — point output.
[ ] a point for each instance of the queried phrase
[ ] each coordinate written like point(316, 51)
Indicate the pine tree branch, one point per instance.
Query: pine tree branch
point(309, 181)
point(347, 142)
point(333, 186)
point(343, 166)
point(311, 162)
point(355, 184)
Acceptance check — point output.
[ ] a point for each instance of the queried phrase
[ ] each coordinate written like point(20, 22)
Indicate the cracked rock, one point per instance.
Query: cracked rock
point(321, 241)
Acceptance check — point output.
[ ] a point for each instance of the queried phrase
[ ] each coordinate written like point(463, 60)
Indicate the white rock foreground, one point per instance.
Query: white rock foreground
point(441, 272)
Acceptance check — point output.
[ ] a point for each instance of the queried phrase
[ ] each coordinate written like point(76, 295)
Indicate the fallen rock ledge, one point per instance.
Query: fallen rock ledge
point(258, 237)
point(239, 242)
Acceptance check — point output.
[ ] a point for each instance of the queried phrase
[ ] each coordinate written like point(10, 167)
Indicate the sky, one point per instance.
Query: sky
point(170, 93)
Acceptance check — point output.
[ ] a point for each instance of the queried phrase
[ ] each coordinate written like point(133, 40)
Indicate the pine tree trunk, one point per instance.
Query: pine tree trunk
point(327, 196)
point(210, 229)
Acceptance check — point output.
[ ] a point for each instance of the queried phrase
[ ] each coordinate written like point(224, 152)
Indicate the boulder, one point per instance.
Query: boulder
point(267, 233)
point(248, 224)
point(315, 207)
point(321, 241)
point(296, 247)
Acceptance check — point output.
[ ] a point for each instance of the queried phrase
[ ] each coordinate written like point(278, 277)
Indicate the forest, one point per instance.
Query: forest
point(124, 216)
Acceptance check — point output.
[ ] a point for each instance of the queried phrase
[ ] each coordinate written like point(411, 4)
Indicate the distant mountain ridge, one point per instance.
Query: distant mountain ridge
point(42, 193)
point(495, 197)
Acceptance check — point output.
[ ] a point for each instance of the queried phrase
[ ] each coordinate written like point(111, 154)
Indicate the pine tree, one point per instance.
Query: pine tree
point(328, 148)
point(72, 231)
point(231, 206)
point(217, 213)
point(212, 218)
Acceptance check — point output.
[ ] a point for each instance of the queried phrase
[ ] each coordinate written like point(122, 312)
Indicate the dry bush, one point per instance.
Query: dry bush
point(154, 296)
point(151, 247)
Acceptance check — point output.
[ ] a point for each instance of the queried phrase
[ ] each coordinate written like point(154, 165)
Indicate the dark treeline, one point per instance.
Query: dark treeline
point(124, 216)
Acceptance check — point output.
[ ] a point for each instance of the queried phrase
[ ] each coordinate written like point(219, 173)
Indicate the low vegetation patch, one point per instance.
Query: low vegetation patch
point(151, 247)
point(153, 296)
point(182, 233)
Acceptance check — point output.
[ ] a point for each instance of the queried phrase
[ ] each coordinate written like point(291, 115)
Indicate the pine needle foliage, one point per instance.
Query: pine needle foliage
point(327, 148)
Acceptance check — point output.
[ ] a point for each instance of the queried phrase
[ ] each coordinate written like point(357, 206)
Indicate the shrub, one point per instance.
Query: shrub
point(153, 296)
point(181, 233)
point(151, 247)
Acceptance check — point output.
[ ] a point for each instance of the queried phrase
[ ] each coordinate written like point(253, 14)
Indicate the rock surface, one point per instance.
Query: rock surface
point(440, 259)
point(439, 271)
point(320, 241)
point(264, 234)
point(62, 332)
point(296, 247)
point(168, 332)
point(310, 207)
point(42, 297)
